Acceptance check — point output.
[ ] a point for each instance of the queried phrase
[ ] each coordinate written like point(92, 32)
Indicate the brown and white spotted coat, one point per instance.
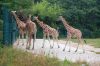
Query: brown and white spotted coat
point(72, 32)
point(31, 30)
point(48, 31)
point(21, 26)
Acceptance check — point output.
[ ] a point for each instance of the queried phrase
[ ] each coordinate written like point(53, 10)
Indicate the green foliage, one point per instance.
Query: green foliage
point(45, 8)
point(1, 25)
point(81, 14)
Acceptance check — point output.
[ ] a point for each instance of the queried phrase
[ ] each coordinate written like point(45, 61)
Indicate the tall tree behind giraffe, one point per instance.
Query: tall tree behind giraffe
point(48, 31)
point(71, 32)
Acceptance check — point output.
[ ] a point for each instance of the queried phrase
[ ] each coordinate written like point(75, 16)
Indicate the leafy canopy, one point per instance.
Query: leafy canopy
point(44, 8)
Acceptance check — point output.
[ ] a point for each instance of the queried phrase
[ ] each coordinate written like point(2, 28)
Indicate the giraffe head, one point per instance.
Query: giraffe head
point(13, 12)
point(29, 17)
point(36, 18)
point(60, 18)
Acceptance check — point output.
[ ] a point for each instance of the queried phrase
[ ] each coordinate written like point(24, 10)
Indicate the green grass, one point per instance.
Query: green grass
point(15, 57)
point(92, 42)
point(1, 35)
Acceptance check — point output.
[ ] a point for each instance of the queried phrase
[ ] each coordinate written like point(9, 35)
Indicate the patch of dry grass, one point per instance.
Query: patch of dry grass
point(15, 57)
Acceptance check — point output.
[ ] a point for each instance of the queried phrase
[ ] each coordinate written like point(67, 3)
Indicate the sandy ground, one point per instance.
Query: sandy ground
point(89, 56)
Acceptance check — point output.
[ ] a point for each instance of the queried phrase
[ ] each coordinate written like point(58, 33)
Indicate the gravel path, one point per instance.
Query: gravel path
point(89, 56)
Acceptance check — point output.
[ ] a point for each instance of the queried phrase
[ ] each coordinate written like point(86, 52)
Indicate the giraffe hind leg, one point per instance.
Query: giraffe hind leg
point(48, 37)
point(34, 38)
point(57, 42)
point(22, 40)
point(66, 43)
point(44, 37)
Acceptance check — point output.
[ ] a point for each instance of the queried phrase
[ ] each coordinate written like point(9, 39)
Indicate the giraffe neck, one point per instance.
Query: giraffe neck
point(66, 24)
point(41, 25)
point(17, 19)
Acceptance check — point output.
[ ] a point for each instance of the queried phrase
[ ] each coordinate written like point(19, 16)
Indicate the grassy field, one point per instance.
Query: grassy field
point(92, 42)
point(1, 36)
point(14, 57)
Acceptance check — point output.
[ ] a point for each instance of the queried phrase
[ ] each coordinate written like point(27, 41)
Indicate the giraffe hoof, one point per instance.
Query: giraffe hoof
point(27, 48)
point(51, 47)
point(63, 49)
point(51, 52)
point(75, 50)
point(48, 54)
point(58, 47)
point(32, 48)
point(69, 51)
point(83, 51)
point(22, 44)
point(17, 44)
point(44, 52)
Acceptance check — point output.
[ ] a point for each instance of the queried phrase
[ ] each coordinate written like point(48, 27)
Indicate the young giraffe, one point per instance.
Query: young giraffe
point(21, 26)
point(32, 30)
point(48, 31)
point(72, 32)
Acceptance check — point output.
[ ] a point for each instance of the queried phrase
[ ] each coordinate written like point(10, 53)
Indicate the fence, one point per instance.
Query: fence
point(10, 31)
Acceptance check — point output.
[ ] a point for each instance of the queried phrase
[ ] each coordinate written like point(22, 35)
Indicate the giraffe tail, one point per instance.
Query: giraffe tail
point(85, 42)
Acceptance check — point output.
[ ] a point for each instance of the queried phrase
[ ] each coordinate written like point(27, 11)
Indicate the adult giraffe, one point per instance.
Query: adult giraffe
point(29, 27)
point(32, 30)
point(71, 32)
point(48, 31)
point(21, 27)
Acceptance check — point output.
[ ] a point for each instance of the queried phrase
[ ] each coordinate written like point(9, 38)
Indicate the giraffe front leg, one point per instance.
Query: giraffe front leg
point(22, 39)
point(18, 40)
point(34, 40)
point(53, 42)
point(44, 37)
point(57, 42)
point(83, 46)
point(29, 42)
point(68, 38)
point(27, 46)
point(49, 40)
point(79, 41)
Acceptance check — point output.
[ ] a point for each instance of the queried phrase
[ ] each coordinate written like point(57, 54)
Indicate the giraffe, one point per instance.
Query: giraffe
point(47, 32)
point(21, 26)
point(71, 32)
point(31, 30)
